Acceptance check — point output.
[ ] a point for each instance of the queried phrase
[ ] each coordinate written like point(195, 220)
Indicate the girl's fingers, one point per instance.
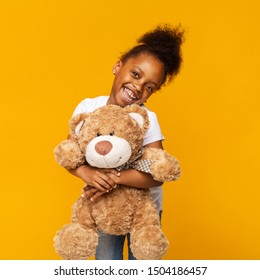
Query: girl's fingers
point(92, 193)
point(89, 192)
point(106, 181)
point(102, 185)
point(112, 171)
point(96, 195)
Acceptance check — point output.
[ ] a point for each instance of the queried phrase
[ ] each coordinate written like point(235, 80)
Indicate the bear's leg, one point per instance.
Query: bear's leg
point(148, 242)
point(78, 240)
point(74, 242)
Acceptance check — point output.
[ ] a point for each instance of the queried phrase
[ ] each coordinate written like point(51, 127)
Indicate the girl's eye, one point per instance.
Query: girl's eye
point(135, 74)
point(150, 89)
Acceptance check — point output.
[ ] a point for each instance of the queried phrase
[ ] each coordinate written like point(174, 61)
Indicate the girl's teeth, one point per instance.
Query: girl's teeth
point(128, 94)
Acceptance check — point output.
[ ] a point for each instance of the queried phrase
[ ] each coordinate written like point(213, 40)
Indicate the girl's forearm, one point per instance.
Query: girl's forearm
point(80, 172)
point(138, 179)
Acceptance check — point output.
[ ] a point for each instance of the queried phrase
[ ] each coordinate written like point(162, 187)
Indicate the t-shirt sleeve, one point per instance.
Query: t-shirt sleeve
point(154, 132)
point(90, 104)
point(82, 107)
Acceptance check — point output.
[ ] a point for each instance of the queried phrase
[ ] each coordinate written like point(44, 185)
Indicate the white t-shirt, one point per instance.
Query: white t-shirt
point(152, 135)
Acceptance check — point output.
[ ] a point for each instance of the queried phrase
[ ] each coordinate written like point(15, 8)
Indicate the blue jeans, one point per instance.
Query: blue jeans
point(110, 247)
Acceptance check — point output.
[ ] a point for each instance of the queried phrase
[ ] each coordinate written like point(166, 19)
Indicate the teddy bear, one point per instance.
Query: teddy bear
point(112, 137)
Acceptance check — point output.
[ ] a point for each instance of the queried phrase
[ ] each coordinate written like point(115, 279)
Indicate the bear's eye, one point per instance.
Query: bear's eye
point(99, 134)
point(112, 133)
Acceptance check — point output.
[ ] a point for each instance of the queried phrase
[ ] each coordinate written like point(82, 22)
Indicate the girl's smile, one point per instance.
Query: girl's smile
point(129, 95)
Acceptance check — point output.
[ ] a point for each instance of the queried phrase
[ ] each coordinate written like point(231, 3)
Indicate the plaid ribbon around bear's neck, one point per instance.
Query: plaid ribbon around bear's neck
point(141, 164)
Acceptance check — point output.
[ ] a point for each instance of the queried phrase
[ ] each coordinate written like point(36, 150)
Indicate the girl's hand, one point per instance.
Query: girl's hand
point(97, 178)
point(92, 193)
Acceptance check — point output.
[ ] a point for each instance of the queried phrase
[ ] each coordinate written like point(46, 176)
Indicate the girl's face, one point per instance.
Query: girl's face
point(136, 80)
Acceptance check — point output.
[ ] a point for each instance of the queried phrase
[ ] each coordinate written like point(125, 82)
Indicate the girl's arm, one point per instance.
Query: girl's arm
point(135, 178)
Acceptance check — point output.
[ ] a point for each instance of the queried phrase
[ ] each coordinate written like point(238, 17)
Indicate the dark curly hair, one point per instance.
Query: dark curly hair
point(164, 42)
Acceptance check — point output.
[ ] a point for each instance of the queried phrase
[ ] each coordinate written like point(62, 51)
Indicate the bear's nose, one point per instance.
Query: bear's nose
point(103, 147)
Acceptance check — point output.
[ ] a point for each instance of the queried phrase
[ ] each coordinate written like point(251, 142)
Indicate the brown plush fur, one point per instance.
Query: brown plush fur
point(125, 209)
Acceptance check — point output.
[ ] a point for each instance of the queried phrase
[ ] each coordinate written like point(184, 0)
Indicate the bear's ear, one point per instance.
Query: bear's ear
point(139, 114)
point(138, 118)
point(78, 127)
point(76, 124)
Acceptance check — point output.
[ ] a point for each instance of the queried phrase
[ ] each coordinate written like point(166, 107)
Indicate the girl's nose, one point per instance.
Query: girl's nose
point(139, 89)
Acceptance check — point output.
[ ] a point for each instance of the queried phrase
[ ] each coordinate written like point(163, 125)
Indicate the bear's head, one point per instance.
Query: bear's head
point(111, 135)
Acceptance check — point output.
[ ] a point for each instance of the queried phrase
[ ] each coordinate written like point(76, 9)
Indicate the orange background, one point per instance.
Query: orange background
point(53, 54)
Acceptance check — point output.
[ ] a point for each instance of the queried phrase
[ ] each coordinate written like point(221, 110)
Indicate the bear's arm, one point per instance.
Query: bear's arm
point(164, 167)
point(68, 154)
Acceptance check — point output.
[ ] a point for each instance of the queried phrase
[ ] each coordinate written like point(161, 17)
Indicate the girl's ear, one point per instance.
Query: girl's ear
point(116, 67)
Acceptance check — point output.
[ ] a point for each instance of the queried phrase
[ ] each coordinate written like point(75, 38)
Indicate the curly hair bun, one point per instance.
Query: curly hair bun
point(165, 43)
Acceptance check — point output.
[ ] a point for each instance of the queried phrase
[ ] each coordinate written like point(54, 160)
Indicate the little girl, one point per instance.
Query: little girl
point(139, 72)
